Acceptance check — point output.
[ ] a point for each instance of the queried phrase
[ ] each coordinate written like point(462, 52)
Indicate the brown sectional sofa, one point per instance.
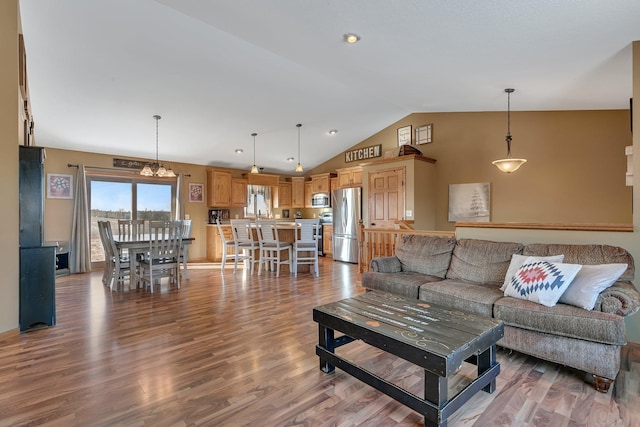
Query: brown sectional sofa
point(467, 274)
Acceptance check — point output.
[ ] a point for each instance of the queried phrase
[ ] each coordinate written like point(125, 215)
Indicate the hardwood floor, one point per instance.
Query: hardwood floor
point(231, 351)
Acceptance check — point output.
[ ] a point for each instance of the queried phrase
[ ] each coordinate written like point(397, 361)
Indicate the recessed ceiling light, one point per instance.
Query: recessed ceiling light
point(290, 159)
point(333, 131)
point(351, 38)
point(239, 151)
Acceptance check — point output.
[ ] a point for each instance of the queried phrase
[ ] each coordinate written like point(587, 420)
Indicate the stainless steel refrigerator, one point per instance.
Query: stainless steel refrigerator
point(347, 211)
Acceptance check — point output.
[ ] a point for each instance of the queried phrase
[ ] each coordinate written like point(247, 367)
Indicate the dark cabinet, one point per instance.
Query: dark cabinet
point(37, 287)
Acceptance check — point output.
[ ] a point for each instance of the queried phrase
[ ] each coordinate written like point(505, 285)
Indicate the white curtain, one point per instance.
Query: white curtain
point(179, 202)
point(80, 261)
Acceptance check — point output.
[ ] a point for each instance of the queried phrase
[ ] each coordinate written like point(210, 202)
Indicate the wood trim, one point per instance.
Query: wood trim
point(399, 158)
point(627, 228)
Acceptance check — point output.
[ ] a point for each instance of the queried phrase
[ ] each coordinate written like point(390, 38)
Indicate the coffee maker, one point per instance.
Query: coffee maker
point(221, 214)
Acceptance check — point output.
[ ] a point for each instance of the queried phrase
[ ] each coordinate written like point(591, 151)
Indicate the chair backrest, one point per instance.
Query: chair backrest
point(138, 231)
point(124, 229)
point(241, 230)
point(186, 228)
point(267, 231)
point(222, 236)
point(165, 239)
point(108, 243)
point(309, 230)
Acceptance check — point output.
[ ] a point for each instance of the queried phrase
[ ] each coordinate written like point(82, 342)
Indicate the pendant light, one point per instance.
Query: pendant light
point(254, 168)
point(508, 164)
point(299, 165)
point(156, 169)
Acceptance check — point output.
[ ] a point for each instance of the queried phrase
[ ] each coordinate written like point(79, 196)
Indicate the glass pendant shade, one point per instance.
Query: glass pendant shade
point(156, 169)
point(509, 165)
point(299, 168)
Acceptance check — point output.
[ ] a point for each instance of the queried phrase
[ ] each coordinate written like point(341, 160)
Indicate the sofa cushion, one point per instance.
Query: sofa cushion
point(475, 298)
point(405, 283)
point(586, 254)
point(589, 282)
point(517, 261)
point(425, 254)
point(561, 319)
point(482, 261)
point(541, 281)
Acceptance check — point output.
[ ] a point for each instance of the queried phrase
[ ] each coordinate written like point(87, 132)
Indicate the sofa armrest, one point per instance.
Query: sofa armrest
point(390, 264)
point(622, 299)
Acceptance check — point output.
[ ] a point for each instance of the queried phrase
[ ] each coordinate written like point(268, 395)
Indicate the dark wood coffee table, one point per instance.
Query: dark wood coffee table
point(434, 338)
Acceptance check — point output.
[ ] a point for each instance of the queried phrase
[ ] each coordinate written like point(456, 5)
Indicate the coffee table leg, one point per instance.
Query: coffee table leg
point(486, 360)
point(435, 391)
point(326, 340)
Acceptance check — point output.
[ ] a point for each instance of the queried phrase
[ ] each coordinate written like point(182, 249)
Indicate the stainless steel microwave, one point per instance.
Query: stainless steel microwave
point(320, 200)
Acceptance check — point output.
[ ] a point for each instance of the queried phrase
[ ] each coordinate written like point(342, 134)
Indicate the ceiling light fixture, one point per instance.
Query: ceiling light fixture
point(156, 169)
point(351, 38)
point(239, 151)
point(333, 131)
point(290, 159)
point(508, 164)
point(299, 165)
point(254, 168)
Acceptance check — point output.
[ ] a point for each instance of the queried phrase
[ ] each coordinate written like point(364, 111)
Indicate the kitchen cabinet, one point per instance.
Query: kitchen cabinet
point(327, 239)
point(333, 185)
point(218, 188)
point(321, 182)
point(297, 192)
point(283, 196)
point(308, 194)
point(350, 177)
point(238, 193)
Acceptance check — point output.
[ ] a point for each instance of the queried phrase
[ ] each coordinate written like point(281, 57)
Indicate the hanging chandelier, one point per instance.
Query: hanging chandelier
point(157, 169)
point(299, 165)
point(509, 164)
point(254, 168)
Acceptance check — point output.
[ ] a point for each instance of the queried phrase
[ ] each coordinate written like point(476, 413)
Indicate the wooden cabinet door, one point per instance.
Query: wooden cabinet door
point(297, 192)
point(219, 188)
point(345, 178)
point(386, 197)
point(308, 194)
point(284, 195)
point(327, 240)
point(320, 184)
point(333, 185)
point(357, 178)
point(238, 193)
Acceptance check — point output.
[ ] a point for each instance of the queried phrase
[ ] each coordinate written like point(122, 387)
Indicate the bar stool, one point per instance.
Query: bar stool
point(271, 246)
point(243, 241)
point(305, 247)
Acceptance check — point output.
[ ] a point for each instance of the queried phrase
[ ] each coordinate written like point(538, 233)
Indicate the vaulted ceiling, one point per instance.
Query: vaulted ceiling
point(216, 71)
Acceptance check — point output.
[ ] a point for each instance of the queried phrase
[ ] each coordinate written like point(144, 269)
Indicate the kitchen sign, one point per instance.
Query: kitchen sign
point(363, 153)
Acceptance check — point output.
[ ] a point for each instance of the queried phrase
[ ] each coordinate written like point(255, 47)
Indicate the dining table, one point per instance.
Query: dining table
point(140, 246)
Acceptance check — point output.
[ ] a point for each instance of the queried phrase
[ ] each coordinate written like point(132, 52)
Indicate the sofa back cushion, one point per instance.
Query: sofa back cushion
point(482, 261)
point(586, 254)
point(425, 254)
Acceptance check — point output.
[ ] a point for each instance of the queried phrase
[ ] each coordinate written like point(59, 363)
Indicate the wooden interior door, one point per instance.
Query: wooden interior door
point(386, 197)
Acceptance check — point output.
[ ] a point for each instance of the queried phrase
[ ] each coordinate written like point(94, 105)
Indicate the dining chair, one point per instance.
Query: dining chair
point(305, 246)
point(119, 265)
point(271, 246)
point(124, 229)
point(108, 261)
point(244, 243)
point(186, 233)
point(163, 256)
point(138, 231)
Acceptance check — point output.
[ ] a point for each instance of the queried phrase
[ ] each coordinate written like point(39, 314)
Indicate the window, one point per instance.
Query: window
point(113, 198)
point(258, 201)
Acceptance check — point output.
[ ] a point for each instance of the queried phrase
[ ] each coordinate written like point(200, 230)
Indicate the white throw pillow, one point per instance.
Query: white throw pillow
point(541, 281)
point(589, 282)
point(518, 260)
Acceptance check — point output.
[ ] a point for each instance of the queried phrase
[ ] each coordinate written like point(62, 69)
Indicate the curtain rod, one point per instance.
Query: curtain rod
point(69, 165)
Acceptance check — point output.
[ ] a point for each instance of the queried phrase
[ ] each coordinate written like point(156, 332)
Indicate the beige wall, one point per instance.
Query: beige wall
point(575, 171)
point(9, 285)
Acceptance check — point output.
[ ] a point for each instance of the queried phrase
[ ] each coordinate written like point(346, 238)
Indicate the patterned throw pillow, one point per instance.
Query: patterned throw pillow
point(542, 282)
point(517, 260)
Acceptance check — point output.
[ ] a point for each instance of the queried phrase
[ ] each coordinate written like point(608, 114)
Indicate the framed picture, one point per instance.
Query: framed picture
point(470, 202)
point(424, 134)
point(404, 135)
point(196, 193)
point(59, 186)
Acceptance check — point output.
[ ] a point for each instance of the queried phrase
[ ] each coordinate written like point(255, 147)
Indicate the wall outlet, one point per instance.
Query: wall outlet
point(408, 213)
point(187, 216)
